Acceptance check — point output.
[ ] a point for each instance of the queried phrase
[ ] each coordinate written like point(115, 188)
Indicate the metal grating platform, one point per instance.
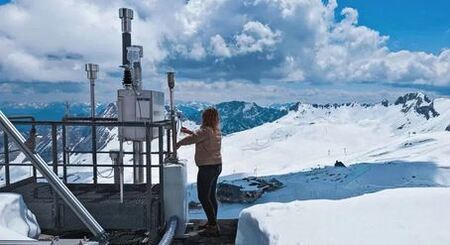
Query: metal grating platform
point(102, 201)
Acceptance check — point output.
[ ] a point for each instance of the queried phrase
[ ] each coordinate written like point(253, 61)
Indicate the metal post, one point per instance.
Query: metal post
point(54, 149)
point(148, 150)
point(171, 83)
point(64, 152)
point(138, 162)
point(6, 150)
point(168, 141)
point(148, 157)
point(57, 185)
point(92, 82)
point(161, 173)
point(121, 181)
point(91, 71)
point(94, 154)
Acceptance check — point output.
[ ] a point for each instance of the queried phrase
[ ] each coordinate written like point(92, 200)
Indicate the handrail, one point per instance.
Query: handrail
point(98, 123)
point(66, 195)
point(105, 119)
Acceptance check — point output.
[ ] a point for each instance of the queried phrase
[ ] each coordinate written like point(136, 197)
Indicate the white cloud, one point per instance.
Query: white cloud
point(256, 37)
point(219, 47)
point(259, 40)
point(218, 91)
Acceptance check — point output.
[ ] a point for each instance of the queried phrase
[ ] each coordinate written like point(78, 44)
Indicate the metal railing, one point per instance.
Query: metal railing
point(58, 137)
point(63, 161)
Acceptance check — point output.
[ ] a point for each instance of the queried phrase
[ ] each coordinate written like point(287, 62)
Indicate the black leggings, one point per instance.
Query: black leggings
point(206, 189)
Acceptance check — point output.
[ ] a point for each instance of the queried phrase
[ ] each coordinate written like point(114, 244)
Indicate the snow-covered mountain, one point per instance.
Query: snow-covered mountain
point(390, 149)
point(406, 114)
point(235, 115)
point(392, 192)
point(385, 145)
point(78, 137)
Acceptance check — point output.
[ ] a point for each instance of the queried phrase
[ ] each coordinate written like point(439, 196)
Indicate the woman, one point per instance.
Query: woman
point(208, 158)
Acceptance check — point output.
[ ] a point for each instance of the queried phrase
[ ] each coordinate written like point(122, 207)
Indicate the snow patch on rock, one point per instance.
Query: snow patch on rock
point(17, 222)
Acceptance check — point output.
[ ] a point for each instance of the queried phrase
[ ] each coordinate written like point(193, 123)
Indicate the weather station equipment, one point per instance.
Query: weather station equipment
point(103, 206)
point(133, 103)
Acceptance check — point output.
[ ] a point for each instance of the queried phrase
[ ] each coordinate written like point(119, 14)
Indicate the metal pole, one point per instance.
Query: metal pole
point(168, 136)
point(171, 83)
point(161, 173)
point(54, 149)
point(148, 154)
point(148, 157)
point(94, 154)
point(92, 81)
point(121, 181)
point(91, 72)
point(64, 145)
point(6, 149)
point(66, 195)
point(138, 162)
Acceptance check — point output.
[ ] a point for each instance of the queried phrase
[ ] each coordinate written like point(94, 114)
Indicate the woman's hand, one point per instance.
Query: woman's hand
point(186, 131)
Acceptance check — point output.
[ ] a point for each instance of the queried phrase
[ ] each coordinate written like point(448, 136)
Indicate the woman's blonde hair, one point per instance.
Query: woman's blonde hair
point(210, 118)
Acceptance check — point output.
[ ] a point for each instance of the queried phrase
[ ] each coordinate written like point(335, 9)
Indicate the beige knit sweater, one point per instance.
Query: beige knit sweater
point(207, 146)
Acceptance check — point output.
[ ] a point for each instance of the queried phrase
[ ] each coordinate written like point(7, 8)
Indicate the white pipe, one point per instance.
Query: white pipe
point(170, 232)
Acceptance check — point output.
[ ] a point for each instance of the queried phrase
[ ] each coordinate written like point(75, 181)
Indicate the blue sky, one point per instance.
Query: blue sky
point(264, 51)
point(415, 25)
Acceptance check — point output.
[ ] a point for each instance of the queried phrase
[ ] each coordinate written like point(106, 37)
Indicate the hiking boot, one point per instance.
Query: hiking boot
point(201, 227)
point(210, 231)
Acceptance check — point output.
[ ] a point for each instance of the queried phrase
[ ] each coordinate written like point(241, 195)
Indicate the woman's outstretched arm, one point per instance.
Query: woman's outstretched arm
point(195, 137)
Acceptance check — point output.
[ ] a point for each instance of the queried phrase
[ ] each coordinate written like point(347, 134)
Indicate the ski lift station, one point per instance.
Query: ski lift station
point(146, 211)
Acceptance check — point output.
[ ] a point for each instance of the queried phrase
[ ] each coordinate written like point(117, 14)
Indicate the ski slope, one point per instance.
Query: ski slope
point(383, 147)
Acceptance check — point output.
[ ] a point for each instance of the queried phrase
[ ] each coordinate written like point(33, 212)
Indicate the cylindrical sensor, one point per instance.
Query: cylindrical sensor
point(126, 15)
point(171, 79)
point(91, 71)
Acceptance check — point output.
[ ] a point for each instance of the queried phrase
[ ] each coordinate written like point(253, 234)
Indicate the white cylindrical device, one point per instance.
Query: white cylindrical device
point(175, 194)
point(126, 15)
point(91, 72)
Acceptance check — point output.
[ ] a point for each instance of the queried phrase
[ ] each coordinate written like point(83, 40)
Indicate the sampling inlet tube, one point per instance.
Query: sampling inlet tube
point(126, 15)
point(170, 232)
point(58, 186)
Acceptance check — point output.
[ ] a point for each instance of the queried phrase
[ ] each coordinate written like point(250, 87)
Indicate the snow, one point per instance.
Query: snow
point(397, 216)
point(391, 156)
point(308, 141)
point(17, 222)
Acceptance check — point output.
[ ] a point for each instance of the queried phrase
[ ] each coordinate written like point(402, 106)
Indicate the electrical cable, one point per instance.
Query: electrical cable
point(109, 176)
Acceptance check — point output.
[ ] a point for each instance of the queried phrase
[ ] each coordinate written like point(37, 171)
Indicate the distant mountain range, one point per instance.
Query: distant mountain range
point(235, 116)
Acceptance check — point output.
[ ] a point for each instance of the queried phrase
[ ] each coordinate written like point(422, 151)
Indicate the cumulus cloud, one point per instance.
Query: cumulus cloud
point(256, 37)
point(218, 46)
point(265, 42)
